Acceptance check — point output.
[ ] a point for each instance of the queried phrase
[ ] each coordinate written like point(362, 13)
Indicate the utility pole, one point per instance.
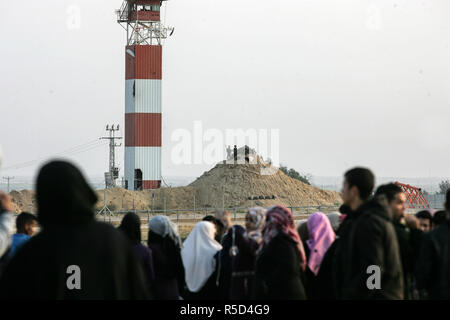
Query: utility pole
point(113, 172)
point(8, 178)
point(153, 198)
point(105, 210)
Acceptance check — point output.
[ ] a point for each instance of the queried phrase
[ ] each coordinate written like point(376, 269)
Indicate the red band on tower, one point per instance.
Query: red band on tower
point(143, 130)
point(146, 63)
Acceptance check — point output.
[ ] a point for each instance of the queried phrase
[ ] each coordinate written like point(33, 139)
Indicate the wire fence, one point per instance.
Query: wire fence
point(192, 216)
point(436, 201)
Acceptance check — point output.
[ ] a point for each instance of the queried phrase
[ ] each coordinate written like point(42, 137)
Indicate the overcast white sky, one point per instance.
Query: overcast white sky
point(350, 82)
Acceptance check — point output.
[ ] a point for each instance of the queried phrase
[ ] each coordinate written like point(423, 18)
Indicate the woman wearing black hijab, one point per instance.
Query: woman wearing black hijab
point(131, 227)
point(165, 243)
point(74, 256)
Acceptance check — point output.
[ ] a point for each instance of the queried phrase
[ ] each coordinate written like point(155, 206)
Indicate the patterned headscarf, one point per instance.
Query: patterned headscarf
point(321, 236)
point(280, 219)
point(256, 216)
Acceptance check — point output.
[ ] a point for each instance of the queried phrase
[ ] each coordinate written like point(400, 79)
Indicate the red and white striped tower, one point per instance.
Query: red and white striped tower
point(143, 64)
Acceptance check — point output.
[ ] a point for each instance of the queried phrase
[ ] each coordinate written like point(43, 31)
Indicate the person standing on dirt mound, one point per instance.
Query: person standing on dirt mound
point(74, 256)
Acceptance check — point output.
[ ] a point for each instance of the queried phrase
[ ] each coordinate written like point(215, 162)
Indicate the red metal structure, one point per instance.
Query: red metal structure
point(414, 196)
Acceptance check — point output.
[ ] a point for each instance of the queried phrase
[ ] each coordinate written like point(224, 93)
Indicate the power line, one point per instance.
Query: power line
point(76, 148)
point(87, 149)
point(68, 152)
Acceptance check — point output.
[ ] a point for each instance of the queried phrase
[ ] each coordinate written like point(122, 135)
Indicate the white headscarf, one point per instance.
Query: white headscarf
point(198, 255)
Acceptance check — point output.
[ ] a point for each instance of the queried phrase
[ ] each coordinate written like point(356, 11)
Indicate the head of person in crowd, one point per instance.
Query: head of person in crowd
point(425, 220)
point(213, 220)
point(198, 253)
point(280, 219)
point(5, 202)
point(223, 223)
point(161, 229)
point(63, 196)
point(302, 229)
point(71, 236)
point(335, 220)
point(396, 199)
point(131, 227)
point(357, 187)
point(321, 236)
point(26, 223)
point(439, 217)
point(210, 218)
point(254, 222)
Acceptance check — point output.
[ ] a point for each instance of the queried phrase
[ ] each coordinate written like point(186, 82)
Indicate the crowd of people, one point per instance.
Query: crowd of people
point(370, 249)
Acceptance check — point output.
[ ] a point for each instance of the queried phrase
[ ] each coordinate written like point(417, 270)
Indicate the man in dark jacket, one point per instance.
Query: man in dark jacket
point(407, 230)
point(366, 259)
point(425, 219)
point(433, 265)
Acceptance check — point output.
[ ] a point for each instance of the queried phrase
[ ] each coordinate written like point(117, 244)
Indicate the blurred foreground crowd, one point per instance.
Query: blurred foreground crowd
point(371, 249)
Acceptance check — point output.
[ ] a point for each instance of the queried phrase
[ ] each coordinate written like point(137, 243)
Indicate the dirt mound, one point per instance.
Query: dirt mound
point(227, 184)
point(121, 199)
point(159, 199)
point(23, 201)
point(244, 185)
